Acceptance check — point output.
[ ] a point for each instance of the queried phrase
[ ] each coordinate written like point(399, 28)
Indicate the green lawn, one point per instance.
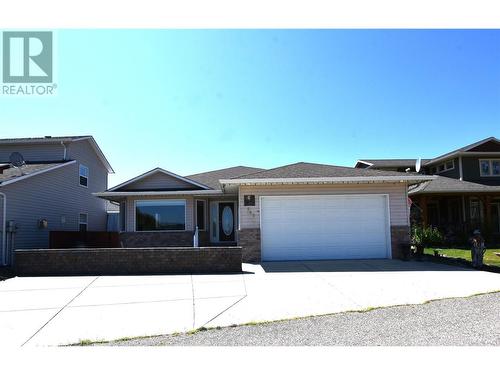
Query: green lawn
point(489, 257)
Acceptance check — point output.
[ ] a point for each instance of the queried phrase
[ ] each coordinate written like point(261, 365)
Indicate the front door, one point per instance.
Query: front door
point(226, 221)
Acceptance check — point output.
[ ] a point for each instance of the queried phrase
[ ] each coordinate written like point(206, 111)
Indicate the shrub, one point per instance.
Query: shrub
point(426, 236)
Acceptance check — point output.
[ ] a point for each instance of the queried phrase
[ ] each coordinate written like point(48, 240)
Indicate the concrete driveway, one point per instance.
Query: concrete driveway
point(63, 310)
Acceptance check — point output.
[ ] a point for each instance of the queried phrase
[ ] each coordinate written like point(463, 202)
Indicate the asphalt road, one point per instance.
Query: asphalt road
point(459, 321)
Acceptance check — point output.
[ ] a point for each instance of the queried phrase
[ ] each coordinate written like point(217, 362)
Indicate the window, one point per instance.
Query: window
point(84, 175)
point(82, 222)
point(489, 167)
point(160, 215)
point(200, 215)
point(444, 167)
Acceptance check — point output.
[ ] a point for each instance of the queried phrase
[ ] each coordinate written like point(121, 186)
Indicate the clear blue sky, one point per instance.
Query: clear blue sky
point(191, 101)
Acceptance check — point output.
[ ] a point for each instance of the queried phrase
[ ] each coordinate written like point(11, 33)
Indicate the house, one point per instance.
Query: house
point(46, 184)
point(299, 211)
point(465, 194)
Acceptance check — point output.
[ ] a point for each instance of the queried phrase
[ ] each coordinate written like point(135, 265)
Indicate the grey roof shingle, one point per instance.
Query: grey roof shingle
point(450, 185)
point(42, 139)
point(12, 173)
point(211, 178)
point(312, 170)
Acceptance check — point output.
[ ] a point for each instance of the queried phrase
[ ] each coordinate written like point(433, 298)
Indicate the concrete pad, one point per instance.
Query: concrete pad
point(116, 321)
point(208, 309)
point(17, 327)
point(123, 294)
point(206, 287)
point(36, 299)
point(114, 307)
point(38, 283)
point(141, 280)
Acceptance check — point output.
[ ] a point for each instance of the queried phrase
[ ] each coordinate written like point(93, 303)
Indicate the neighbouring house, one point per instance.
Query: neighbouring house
point(300, 211)
point(465, 195)
point(49, 188)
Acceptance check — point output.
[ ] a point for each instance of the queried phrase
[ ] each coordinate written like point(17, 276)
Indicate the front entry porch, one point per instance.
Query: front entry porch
point(458, 215)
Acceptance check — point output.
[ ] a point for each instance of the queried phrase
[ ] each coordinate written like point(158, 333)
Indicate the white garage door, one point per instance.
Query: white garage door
point(325, 227)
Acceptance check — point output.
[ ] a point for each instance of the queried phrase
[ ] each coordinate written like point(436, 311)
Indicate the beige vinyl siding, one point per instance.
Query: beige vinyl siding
point(130, 209)
point(41, 152)
point(250, 216)
point(158, 181)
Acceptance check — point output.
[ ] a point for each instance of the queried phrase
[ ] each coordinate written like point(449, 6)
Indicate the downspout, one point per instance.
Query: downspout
point(4, 228)
point(65, 150)
point(460, 168)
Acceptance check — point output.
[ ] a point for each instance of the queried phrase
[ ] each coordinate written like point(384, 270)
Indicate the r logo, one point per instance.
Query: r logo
point(27, 57)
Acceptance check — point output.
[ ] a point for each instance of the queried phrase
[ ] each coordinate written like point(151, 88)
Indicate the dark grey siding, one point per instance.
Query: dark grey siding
point(47, 152)
point(57, 196)
point(454, 173)
point(472, 173)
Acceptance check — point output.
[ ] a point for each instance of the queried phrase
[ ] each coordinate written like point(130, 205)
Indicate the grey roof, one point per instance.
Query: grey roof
point(71, 138)
point(28, 169)
point(211, 179)
point(312, 170)
point(43, 139)
point(391, 163)
point(451, 185)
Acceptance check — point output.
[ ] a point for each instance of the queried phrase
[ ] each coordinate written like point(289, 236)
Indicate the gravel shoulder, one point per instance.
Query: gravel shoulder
point(452, 322)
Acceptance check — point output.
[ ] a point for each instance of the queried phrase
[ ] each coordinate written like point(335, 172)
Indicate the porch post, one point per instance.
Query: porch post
point(487, 203)
point(423, 206)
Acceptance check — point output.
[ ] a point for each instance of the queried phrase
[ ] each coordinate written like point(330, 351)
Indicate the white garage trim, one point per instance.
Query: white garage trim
point(387, 223)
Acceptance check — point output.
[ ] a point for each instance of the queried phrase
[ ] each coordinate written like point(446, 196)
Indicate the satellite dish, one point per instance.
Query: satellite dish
point(16, 159)
point(418, 165)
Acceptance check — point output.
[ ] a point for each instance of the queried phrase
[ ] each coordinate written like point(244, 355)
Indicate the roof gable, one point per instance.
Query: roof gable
point(159, 179)
point(474, 147)
point(489, 146)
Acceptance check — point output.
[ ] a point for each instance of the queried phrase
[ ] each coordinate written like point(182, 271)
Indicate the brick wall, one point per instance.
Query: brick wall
point(249, 240)
point(400, 235)
point(157, 239)
point(130, 261)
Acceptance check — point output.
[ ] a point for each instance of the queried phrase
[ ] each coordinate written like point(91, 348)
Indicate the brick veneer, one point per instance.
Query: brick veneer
point(157, 239)
point(400, 235)
point(130, 261)
point(249, 240)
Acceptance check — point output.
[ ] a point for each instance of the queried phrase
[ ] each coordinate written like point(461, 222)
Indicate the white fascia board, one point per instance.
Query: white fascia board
point(310, 180)
point(156, 170)
point(111, 194)
point(20, 178)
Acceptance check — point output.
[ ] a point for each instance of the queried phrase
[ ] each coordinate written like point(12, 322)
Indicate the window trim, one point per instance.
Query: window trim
point(80, 175)
point(204, 214)
point(86, 222)
point(490, 162)
point(436, 170)
point(161, 230)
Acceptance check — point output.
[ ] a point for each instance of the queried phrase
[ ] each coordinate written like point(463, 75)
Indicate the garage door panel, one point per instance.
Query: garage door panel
point(324, 227)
